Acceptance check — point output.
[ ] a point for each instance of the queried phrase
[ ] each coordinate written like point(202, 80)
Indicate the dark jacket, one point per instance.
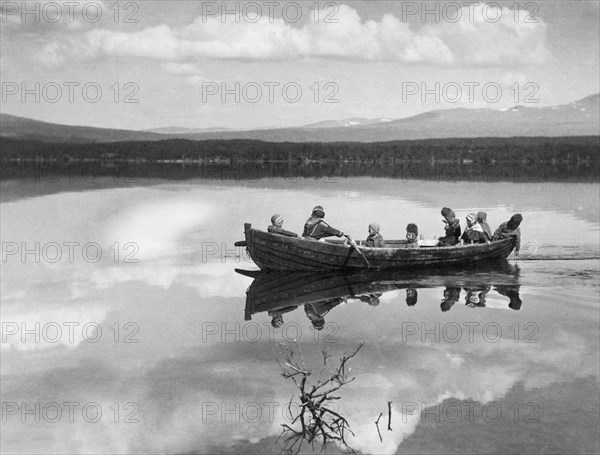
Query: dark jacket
point(277, 230)
point(316, 228)
point(452, 233)
point(486, 229)
point(504, 232)
point(375, 241)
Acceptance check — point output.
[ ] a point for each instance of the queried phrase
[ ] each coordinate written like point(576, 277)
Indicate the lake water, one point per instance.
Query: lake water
point(125, 330)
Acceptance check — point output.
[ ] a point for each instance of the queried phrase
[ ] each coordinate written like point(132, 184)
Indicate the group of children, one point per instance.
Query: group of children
point(477, 230)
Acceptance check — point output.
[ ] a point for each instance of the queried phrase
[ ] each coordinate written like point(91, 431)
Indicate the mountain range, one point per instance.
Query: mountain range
point(579, 118)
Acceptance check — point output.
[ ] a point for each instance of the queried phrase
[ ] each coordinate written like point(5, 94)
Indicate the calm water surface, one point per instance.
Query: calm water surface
point(176, 367)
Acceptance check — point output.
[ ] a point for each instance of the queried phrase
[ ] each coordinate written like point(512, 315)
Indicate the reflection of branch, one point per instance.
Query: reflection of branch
point(317, 421)
point(377, 425)
point(389, 416)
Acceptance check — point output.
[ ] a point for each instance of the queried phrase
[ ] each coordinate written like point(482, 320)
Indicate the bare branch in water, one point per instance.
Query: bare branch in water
point(318, 423)
point(377, 425)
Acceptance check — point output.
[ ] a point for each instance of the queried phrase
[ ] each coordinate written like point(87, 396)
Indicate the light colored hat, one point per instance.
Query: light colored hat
point(374, 227)
point(277, 219)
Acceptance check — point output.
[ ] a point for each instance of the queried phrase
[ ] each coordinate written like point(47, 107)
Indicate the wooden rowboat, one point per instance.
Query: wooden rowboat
point(278, 252)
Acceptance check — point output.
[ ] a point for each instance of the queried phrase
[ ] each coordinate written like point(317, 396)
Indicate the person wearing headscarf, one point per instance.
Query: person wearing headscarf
point(374, 240)
point(276, 226)
point(315, 228)
point(510, 228)
point(474, 232)
point(451, 228)
point(412, 234)
point(482, 220)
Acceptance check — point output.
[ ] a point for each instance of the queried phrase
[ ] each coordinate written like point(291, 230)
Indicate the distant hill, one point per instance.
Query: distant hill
point(176, 130)
point(580, 118)
point(15, 127)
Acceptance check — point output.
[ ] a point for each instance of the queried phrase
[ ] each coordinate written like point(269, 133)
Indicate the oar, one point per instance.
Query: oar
point(355, 246)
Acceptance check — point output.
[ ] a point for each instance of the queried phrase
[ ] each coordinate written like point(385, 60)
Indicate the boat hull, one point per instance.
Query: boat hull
point(278, 252)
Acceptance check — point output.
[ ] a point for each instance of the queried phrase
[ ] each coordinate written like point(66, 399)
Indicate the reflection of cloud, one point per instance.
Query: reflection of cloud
point(157, 227)
point(209, 279)
point(49, 326)
point(172, 392)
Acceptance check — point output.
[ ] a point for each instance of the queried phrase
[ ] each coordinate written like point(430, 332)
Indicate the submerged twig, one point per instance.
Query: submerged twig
point(377, 425)
point(317, 421)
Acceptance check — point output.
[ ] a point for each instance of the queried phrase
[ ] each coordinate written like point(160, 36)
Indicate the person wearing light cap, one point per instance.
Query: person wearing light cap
point(412, 234)
point(474, 232)
point(276, 226)
point(315, 228)
point(374, 240)
point(451, 228)
point(510, 228)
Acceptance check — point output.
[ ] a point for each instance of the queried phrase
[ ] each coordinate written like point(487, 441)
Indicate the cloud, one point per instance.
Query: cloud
point(486, 42)
point(474, 40)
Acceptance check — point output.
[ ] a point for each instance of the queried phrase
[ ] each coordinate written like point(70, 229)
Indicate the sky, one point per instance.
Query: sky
point(150, 64)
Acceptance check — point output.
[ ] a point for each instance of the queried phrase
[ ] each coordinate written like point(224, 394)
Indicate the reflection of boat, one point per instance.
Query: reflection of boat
point(272, 291)
point(278, 252)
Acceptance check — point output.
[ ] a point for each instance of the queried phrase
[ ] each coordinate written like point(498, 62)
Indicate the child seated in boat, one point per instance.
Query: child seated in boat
point(374, 240)
point(276, 226)
point(482, 220)
point(412, 234)
point(315, 228)
point(451, 228)
point(474, 232)
point(510, 228)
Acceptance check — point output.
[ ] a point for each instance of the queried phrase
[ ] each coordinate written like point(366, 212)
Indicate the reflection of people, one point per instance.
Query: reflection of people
point(374, 240)
point(276, 226)
point(510, 228)
point(411, 296)
point(451, 296)
point(512, 292)
point(475, 298)
point(371, 299)
point(316, 311)
point(315, 228)
point(277, 316)
point(451, 228)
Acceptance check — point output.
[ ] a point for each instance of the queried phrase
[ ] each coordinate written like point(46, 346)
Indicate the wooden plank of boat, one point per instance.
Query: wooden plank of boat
point(278, 252)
